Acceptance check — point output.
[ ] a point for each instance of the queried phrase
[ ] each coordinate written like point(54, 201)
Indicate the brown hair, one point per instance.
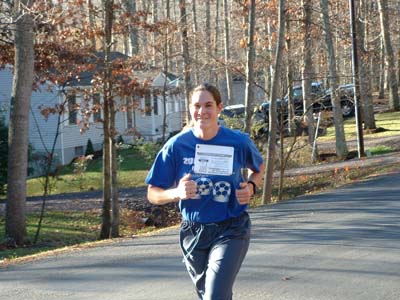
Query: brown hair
point(209, 88)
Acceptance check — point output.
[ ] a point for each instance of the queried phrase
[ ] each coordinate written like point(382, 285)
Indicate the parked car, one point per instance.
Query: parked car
point(320, 98)
point(232, 114)
point(236, 110)
point(346, 94)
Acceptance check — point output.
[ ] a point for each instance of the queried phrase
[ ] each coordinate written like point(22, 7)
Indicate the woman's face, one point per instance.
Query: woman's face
point(204, 110)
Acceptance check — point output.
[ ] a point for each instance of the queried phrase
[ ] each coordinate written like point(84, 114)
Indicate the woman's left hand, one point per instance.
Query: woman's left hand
point(243, 194)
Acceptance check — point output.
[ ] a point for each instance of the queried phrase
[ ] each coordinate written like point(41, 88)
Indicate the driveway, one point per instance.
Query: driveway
point(342, 244)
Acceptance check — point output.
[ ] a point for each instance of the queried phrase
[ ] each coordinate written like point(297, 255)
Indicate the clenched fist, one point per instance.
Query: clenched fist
point(186, 188)
point(243, 194)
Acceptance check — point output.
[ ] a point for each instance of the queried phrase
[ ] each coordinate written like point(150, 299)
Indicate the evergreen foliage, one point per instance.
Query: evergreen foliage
point(89, 148)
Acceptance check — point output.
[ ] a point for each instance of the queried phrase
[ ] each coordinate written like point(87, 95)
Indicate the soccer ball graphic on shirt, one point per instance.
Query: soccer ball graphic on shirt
point(204, 186)
point(222, 191)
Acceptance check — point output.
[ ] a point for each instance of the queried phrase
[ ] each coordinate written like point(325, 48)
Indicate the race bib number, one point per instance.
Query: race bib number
point(213, 160)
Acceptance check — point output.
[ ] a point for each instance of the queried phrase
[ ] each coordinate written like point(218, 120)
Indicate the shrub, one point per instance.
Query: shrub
point(149, 150)
point(89, 148)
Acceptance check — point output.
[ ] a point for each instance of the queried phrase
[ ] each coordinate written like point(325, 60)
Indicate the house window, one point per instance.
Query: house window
point(96, 108)
point(79, 151)
point(147, 105)
point(176, 101)
point(129, 111)
point(170, 107)
point(72, 112)
point(155, 105)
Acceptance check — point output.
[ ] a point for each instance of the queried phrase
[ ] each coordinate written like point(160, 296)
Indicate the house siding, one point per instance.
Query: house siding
point(42, 130)
point(73, 138)
point(239, 92)
point(5, 93)
point(150, 127)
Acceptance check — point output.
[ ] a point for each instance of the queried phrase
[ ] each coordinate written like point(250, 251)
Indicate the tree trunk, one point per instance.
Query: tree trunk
point(341, 146)
point(289, 83)
point(154, 19)
point(15, 227)
point(249, 96)
point(91, 23)
point(185, 54)
point(166, 52)
point(133, 44)
point(115, 220)
point(227, 53)
point(195, 46)
point(382, 71)
point(216, 41)
point(307, 72)
point(368, 115)
point(107, 193)
point(207, 45)
point(269, 171)
point(107, 146)
point(394, 102)
point(398, 64)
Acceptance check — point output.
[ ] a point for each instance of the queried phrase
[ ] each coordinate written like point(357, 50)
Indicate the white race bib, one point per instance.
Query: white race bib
point(213, 160)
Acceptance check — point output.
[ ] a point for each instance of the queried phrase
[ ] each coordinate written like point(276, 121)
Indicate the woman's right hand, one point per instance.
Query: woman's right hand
point(186, 188)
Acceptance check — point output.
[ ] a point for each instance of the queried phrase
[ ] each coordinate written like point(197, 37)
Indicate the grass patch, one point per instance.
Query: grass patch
point(59, 229)
point(132, 173)
point(381, 149)
point(390, 121)
point(62, 228)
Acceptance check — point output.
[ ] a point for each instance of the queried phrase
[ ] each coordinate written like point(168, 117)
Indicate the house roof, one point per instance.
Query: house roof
point(85, 78)
point(170, 76)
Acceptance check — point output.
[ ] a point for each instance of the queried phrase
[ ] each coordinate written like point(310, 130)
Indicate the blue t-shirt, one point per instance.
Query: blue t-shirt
point(216, 199)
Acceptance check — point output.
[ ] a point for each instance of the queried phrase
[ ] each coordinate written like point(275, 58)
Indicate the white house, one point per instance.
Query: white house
point(149, 118)
point(71, 141)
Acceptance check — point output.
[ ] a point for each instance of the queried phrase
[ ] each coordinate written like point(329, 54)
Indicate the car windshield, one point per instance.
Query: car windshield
point(233, 111)
point(297, 93)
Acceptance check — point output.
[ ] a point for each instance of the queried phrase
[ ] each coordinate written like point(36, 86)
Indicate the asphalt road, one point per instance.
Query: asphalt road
point(343, 244)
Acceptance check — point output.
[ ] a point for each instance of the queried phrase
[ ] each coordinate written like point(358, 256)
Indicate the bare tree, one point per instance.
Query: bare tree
point(105, 231)
point(228, 75)
point(382, 70)
point(394, 102)
point(307, 70)
point(289, 82)
point(249, 96)
point(132, 42)
point(91, 20)
point(269, 171)
point(195, 45)
point(185, 53)
point(341, 146)
point(207, 45)
point(368, 115)
point(216, 38)
point(15, 230)
point(165, 56)
point(154, 19)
